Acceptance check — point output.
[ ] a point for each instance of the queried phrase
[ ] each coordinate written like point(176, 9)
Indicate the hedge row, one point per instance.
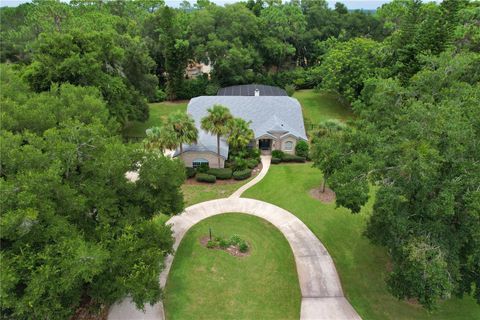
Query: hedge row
point(242, 174)
point(203, 177)
point(190, 172)
point(293, 158)
point(221, 174)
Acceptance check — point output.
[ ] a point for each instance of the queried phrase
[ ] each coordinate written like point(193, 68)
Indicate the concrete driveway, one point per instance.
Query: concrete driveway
point(322, 295)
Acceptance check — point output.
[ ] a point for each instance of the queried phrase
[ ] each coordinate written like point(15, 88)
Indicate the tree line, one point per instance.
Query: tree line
point(137, 51)
point(414, 139)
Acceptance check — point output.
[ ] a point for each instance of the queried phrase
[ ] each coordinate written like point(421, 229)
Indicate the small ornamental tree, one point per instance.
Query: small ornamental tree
point(302, 149)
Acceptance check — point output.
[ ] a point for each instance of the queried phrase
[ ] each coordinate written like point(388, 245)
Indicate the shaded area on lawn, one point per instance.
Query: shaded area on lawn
point(136, 129)
point(212, 284)
point(320, 106)
point(362, 266)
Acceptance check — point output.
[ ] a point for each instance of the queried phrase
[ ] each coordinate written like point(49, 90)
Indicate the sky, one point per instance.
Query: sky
point(351, 4)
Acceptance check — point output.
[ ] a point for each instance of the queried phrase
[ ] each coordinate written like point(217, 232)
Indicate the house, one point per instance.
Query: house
point(276, 120)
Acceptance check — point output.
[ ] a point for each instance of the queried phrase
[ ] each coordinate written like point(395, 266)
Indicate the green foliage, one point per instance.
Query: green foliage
point(276, 160)
point(252, 163)
point(217, 122)
point(239, 163)
point(290, 89)
point(73, 227)
point(203, 168)
point(243, 247)
point(302, 149)
point(293, 158)
point(203, 177)
point(221, 173)
point(242, 174)
point(239, 134)
point(425, 175)
point(277, 154)
point(347, 65)
point(190, 172)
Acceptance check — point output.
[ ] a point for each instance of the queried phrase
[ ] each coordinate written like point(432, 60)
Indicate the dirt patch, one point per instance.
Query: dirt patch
point(192, 181)
point(90, 311)
point(232, 250)
point(326, 197)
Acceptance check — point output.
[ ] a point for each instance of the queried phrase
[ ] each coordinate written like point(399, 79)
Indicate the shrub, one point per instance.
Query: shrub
point(223, 243)
point(211, 244)
point(235, 240)
point(243, 247)
point(203, 168)
point(160, 95)
point(293, 158)
point(203, 177)
point(190, 172)
point(252, 163)
point(221, 174)
point(277, 154)
point(301, 149)
point(242, 174)
point(276, 160)
point(290, 89)
point(254, 153)
point(239, 164)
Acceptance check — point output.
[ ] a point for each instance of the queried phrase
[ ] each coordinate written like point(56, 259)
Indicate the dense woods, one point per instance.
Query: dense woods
point(74, 229)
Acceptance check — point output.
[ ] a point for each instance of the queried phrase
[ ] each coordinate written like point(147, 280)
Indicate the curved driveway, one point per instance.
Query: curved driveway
point(322, 295)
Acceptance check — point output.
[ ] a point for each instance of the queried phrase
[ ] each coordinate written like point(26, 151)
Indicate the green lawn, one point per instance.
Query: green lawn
point(318, 107)
point(211, 284)
point(361, 265)
point(157, 111)
point(193, 194)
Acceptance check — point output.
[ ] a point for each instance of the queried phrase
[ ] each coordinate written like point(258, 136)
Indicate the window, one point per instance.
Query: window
point(288, 146)
point(198, 162)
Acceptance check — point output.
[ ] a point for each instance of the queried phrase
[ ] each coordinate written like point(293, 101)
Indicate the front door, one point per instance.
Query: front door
point(265, 144)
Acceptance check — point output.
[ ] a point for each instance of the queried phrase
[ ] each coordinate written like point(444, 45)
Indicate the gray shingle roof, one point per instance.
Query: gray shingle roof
point(268, 114)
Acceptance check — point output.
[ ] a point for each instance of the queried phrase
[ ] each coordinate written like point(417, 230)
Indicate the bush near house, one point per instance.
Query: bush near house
point(278, 154)
point(276, 160)
point(252, 163)
point(203, 168)
point(203, 177)
point(190, 172)
point(293, 158)
point(242, 174)
point(220, 173)
point(302, 149)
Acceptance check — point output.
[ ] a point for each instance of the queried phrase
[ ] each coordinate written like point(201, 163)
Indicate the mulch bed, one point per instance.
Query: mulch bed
point(326, 197)
point(192, 181)
point(88, 311)
point(232, 250)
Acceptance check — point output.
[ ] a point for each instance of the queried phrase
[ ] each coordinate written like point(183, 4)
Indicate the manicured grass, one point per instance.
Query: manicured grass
point(211, 284)
point(157, 111)
point(361, 265)
point(321, 106)
point(193, 193)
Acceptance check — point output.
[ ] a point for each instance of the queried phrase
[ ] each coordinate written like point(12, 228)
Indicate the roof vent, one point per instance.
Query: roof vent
point(257, 93)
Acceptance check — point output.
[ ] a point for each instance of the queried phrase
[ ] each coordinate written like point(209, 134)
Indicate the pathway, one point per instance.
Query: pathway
point(322, 295)
point(265, 166)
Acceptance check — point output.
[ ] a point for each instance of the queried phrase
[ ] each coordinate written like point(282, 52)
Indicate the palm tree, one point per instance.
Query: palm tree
point(240, 133)
point(160, 138)
point(216, 123)
point(184, 127)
